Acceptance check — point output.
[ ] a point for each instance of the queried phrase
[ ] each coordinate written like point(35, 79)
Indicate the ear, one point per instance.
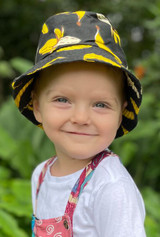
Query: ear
point(36, 108)
point(124, 105)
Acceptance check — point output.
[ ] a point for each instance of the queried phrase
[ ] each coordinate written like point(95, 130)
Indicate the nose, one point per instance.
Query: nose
point(80, 115)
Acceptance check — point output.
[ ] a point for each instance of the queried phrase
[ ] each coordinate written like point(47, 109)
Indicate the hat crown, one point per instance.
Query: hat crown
point(78, 28)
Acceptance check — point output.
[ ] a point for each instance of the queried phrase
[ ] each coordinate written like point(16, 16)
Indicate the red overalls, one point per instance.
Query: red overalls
point(63, 226)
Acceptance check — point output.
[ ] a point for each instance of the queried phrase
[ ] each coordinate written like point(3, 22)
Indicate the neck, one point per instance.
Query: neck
point(65, 166)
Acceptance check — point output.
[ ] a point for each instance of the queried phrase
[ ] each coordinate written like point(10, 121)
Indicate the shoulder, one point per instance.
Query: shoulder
point(117, 199)
point(111, 169)
point(36, 172)
point(114, 185)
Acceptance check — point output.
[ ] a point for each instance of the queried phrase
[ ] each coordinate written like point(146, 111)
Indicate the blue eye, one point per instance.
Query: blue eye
point(62, 100)
point(101, 105)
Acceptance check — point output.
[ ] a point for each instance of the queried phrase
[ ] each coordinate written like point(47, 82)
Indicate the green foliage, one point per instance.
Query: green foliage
point(152, 200)
point(16, 201)
point(20, 64)
point(6, 70)
point(9, 226)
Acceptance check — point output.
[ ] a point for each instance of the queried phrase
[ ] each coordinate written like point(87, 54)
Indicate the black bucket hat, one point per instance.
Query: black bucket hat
point(79, 36)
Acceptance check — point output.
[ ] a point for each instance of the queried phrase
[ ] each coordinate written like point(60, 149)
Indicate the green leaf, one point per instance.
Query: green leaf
point(6, 70)
point(9, 226)
point(4, 173)
point(151, 227)
point(16, 197)
point(152, 201)
point(7, 144)
point(20, 64)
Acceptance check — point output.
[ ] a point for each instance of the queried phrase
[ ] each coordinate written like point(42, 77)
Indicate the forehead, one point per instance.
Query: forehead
point(79, 72)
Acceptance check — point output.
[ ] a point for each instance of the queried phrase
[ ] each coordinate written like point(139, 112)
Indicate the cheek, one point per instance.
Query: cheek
point(50, 128)
point(52, 122)
point(110, 125)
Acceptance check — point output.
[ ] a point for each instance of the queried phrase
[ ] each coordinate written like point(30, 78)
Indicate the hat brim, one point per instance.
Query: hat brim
point(23, 85)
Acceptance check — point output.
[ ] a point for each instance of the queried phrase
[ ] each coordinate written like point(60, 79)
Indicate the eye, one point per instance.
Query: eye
point(101, 105)
point(62, 100)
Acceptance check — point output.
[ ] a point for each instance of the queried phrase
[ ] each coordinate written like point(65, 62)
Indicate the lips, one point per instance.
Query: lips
point(80, 133)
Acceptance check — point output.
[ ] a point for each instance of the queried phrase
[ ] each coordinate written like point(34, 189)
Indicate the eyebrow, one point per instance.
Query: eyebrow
point(105, 97)
point(48, 91)
point(59, 90)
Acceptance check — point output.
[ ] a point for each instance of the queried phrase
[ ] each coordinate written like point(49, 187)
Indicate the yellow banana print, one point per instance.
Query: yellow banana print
point(76, 47)
point(48, 47)
point(136, 109)
point(29, 106)
point(128, 114)
point(44, 29)
point(46, 65)
point(91, 57)
point(51, 44)
point(80, 15)
point(13, 85)
point(59, 34)
point(63, 13)
point(50, 62)
point(100, 42)
point(125, 131)
point(115, 36)
point(21, 92)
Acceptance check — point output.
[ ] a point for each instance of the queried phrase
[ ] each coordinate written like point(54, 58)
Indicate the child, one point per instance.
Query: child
point(82, 94)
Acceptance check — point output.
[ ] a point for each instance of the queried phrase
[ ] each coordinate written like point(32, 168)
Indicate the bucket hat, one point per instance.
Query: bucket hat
point(79, 36)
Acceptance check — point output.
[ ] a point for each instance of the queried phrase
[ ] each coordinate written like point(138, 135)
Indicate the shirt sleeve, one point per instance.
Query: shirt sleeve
point(119, 210)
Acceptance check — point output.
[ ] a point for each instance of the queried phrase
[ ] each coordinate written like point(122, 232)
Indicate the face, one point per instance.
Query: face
point(80, 108)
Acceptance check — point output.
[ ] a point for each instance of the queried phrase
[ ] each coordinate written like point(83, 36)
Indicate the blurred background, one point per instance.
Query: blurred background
point(23, 146)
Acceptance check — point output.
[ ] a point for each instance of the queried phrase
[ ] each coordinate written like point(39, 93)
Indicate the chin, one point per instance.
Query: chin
point(84, 155)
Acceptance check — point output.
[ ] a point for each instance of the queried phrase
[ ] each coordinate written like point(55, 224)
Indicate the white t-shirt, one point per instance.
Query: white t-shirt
point(109, 206)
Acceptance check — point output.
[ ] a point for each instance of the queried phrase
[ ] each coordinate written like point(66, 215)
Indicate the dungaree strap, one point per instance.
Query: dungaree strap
point(41, 179)
point(83, 181)
point(79, 185)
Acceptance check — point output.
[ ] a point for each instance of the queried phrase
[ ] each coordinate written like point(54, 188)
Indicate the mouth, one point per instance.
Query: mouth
point(80, 133)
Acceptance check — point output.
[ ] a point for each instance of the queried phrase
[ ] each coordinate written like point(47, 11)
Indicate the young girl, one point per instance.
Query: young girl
point(82, 94)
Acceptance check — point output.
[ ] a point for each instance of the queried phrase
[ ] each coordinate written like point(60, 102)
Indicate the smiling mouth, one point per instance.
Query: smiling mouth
point(81, 134)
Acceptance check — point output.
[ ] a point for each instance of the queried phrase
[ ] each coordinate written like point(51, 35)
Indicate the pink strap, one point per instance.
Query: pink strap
point(43, 173)
point(41, 179)
point(83, 181)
